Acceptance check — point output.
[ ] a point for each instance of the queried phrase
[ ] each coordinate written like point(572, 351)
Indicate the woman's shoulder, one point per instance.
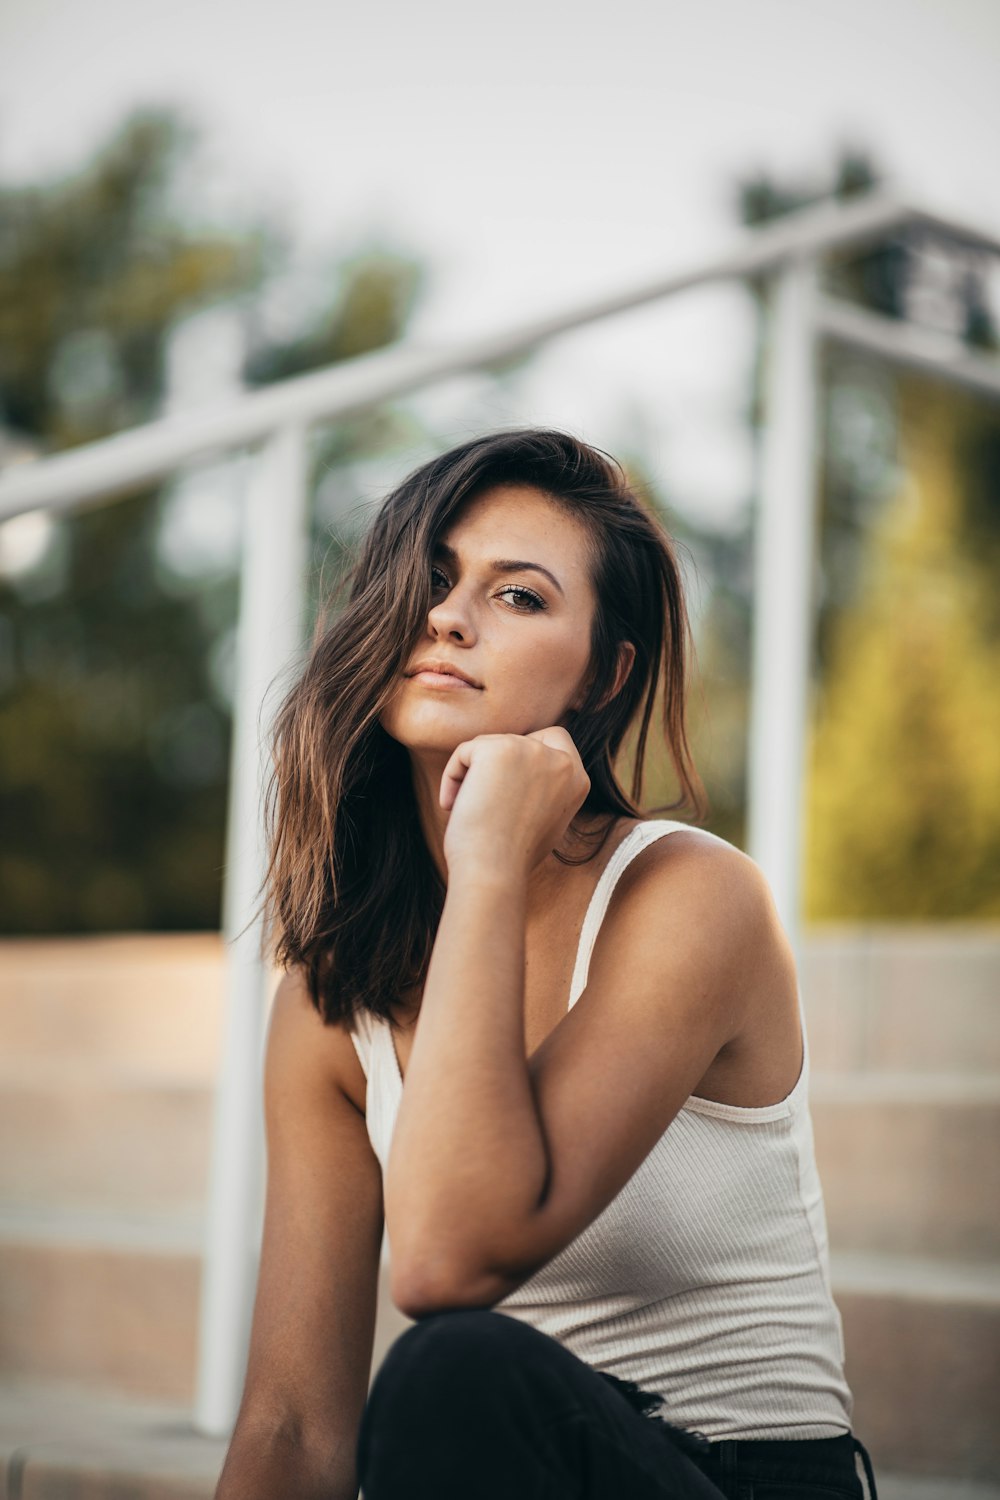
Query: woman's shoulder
point(670, 851)
point(692, 883)
point(699, 913)
point(301, 1044)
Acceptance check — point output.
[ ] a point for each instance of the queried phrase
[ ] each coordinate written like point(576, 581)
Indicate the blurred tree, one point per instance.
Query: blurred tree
point(903, 816)
point(904, 805)
point(93, 274)
point(114, 712)
point(900, 749)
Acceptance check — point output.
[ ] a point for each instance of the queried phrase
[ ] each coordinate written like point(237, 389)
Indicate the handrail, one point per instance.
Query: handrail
point(145, 454)
point(924, 349)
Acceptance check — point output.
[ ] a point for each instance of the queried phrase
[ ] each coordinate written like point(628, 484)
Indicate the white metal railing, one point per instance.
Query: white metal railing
point(274, 422)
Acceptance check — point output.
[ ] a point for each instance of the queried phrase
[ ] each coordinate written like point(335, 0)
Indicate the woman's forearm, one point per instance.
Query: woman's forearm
point(468, 1161)
point(272, 1466)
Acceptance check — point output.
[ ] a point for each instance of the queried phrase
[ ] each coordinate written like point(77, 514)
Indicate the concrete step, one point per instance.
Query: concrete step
point(94, 1142)
point(137, 1003)
point(110, 1047)
point(923, 1360)
point(113, 1304)
point(880, 999)
point(111, 1301)
point(909, 1164)
point(902, 998)
point(68, 1443)
point(914, 1487)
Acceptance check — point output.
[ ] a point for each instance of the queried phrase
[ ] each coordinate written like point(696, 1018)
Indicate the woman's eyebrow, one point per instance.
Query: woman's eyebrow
point(502, 564)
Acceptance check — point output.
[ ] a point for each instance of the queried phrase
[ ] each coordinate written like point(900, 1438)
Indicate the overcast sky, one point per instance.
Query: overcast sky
point(531, 151)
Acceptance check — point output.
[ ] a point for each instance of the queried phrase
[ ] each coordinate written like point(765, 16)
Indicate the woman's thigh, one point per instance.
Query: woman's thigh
point(475, 1402)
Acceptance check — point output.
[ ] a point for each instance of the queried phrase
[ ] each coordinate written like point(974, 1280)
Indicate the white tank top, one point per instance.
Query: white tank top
point(706, 1279)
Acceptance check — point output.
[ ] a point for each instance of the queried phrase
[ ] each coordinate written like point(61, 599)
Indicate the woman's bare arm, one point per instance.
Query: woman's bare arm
point(314, 1318)
point(490, 1178)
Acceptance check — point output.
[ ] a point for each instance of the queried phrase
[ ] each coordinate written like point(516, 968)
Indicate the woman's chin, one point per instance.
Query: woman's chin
point(433, 738)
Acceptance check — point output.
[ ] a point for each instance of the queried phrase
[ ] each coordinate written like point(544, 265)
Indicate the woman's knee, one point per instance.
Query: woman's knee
point(438, 1351)
point(449, 1364)
point(428, 1387)
point(454, 1386)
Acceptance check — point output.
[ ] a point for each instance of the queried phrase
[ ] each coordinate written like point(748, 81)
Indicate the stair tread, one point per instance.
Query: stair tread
point(882, 1087)
point(920, 1276)
point(71, 1428)
point(182, 1232)
point(33, 1074)
point(75, 1430)
point(170, 1232)
point(919, 1487)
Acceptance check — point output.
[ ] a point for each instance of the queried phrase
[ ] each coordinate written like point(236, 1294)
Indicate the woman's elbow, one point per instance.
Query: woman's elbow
point(419, 1288)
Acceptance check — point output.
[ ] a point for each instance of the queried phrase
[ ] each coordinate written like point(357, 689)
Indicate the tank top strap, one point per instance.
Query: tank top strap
point(363, 1036)
point(635, 840)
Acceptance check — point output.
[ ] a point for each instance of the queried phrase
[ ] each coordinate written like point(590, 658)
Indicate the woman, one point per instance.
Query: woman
point(597, 1184)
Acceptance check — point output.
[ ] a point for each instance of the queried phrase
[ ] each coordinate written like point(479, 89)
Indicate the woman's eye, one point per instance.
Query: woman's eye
point(529, 601)
point(533, 601)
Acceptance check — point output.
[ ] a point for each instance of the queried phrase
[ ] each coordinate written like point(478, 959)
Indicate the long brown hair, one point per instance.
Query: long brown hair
point(352, 893)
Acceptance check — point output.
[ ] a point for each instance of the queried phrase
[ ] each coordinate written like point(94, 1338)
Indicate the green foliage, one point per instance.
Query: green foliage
point(377, 293)
point(904, 797)
point(114, 708)
point(92, 275)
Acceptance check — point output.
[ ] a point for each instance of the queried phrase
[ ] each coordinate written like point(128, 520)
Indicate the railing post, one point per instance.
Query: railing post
point(784, 543)
point(268, 638)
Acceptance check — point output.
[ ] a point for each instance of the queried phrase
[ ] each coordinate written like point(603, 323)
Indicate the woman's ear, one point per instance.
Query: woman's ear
point(626, 659)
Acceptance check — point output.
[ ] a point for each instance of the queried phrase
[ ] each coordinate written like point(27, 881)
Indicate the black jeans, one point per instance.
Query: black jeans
point(472, 1404)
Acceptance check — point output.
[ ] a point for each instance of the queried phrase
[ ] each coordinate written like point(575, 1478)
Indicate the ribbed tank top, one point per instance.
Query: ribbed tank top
point(706, 1279)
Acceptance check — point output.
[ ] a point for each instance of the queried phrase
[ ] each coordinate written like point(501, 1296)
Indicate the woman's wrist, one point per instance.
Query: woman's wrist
point(500, 871)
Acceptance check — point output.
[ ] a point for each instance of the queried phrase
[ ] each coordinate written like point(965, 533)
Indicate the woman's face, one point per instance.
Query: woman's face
point(522, 635)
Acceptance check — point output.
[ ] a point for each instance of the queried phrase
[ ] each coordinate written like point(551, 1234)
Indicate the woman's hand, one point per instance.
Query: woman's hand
point(512, 797)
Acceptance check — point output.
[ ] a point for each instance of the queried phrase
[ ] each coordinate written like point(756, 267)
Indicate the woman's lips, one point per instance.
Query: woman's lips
point(442, 680)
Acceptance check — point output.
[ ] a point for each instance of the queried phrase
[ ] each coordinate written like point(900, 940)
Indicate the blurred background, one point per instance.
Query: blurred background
point(199, 202)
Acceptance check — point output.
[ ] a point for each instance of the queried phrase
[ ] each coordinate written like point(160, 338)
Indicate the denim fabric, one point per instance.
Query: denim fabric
point(471, 1404)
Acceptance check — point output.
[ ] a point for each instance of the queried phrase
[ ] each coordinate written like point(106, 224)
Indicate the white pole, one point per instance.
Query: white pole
point(268, 639)
point(782, 598)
